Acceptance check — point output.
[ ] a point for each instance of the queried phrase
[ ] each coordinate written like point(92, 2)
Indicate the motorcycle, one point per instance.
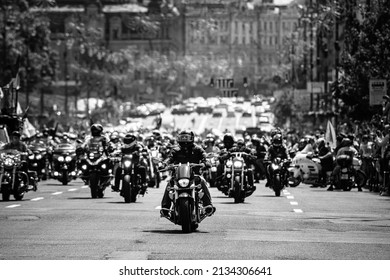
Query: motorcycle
point(12, 179)
point(64, 163)
point(350, 174)
point(96, 170)
point(278, 170)
point(131, 181)
point(153, 158)
point(210, 174)
point(235, 176)
point(185, 193)
point(38, 161)
point(305, 168)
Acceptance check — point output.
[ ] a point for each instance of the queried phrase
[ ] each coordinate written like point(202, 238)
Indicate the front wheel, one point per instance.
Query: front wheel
point(93, 185)
point(185, 215)
point(277, 185)
point(126, 189)
point(237, 193)
point(18, 196)
point(360, 178)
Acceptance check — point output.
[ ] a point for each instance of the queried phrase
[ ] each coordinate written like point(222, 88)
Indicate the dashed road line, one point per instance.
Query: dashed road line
point(294, 203)
point(158, 208)
point(290, 197)
point(56, 193)
point(298, 211)
point(84, 187)
point(37, 198)
point(12, 206)
point(72, 190)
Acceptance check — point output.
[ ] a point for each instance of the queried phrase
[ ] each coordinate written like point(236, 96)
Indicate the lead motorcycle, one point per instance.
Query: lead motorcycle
point(278, 170)
point(131, 181)
point(235, 179)
point(64, 163)
point(350, 174)
point(96, 171)
point(185, 193)
point(12, 179)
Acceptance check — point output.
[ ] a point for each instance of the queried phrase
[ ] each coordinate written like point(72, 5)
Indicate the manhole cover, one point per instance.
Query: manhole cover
point(23, 218)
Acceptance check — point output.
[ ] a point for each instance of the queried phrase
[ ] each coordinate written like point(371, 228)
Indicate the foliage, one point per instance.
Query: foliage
point(283, 109)
point(366, 56)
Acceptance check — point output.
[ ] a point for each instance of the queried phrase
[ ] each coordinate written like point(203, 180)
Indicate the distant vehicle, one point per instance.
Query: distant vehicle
point(230, 112)
point(238, 109)
point(182, 110)
point(247, 113)
point(204, 109)
point(259, 110)
point(219, 112)
point(252, 131)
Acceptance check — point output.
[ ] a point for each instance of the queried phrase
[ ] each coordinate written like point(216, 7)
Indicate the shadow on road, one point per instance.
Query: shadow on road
point(171, 231)
point(86, 197)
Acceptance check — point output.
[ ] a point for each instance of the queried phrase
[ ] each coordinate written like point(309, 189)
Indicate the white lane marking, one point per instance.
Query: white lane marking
point(13, 206)
point(220, 122)
point(158, 208)
point(37, 198)
point(294, 203)
point(72, 190)
point(56, 193)
point(290, 197)
point(84, 187)
point(286, 192)
point(298, 211)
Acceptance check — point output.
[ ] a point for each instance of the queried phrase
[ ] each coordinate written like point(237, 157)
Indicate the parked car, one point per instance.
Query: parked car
point(204, 109)
point(219, 112)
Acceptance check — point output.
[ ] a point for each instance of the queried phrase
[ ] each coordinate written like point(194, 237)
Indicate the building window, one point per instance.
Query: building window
point(271, 26)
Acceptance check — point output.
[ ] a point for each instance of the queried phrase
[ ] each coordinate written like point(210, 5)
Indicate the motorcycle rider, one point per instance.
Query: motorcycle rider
point(132, 147)
point(210, 145)
point(326, 157)
point(277, 149)
point(346, 148)
point(260, 152)
point(16, 146)
point(187, 151)
point(227, 143)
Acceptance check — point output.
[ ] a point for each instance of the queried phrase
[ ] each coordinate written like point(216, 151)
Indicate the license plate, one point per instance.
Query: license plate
point(213, 169)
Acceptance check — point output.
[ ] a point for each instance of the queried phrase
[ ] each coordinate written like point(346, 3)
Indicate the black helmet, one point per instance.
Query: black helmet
point(16, 134)
point(277, 140)
point(96, 129)
point(130, 139)
point(228, 140)
point(256, 141)
point(186, 138)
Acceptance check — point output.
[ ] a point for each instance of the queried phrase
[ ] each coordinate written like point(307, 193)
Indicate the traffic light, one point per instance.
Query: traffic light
point(245, 82)
point(212, 82)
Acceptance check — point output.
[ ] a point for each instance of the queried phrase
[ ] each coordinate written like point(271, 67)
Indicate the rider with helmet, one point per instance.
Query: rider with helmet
point(187, 151)
point(132, 147)
point(326, 157)
point(277, 149)
point(228, 143)
point(97, 139)
point(260, 152)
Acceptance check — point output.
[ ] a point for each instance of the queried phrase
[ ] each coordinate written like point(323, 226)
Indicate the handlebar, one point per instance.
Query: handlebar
point(173, 166)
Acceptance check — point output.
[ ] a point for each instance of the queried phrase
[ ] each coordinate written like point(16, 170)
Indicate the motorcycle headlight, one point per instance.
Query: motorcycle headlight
point(104, 166)
point(84, 166)
point(39, 157)
point(31, 157)
point(229, 163)
point(61, 158)
point(91, 155)
point(238, 164)
point(68, 159)
point(184, 183)
point(9, 162)
point(127, 163)
point(275, 166)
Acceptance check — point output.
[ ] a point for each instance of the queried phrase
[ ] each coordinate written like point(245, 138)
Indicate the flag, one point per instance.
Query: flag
point(330, 135)
point(28, 129)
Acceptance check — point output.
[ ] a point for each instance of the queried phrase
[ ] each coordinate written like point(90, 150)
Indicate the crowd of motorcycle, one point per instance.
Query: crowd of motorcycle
point(136, 161)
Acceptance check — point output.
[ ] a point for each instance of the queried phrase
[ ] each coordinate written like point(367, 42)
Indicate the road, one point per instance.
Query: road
point(63, 223)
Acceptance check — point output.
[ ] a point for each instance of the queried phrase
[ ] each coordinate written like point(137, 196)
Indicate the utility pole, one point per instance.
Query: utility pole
point(337, 50)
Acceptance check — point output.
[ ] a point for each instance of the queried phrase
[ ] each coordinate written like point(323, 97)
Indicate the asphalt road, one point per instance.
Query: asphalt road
point(64, 223)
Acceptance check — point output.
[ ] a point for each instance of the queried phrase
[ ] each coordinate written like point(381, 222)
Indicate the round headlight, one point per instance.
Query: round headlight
point(127, 163)
point(68, 159)
point(184, 183)
point(238, 164)
point(91, 155)
point(39, 156)
point(229, 163)
point(84, 167)
point(9, 162)
point(104, 166)
point(61, 159)
point(31, 157)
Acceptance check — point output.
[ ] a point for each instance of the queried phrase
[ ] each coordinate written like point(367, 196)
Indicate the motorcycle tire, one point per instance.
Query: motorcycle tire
point(65, 178)
point(5, 195)
point(93, 185)
point(360, 178)
point(126, 189)
point(277, 186)
point(18, 196)
point(237, 193)
point(185, 214)
point(100, 193)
